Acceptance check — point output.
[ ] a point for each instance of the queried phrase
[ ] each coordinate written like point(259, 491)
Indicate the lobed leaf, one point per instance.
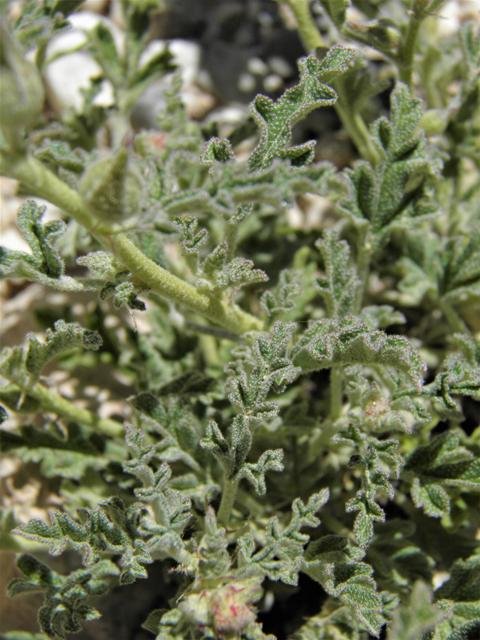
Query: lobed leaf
point(280, 557)
point(353, 585)
point(67, 598)
point(375, 458)
point(44, 260)
point(397, 190)
point(348, 342)
point(440, 465)
point(270, 460)
point(339, 285)
point(108, 528)
point(64, 337)
point(276, 119)
point(281, 299)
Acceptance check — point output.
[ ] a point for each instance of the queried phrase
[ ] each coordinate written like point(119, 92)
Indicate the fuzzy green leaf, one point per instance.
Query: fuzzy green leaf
point(124, 294)
point(376, 456)
point(64, 337)
point(66, 597)
point(339, 284)
point(224, 273)
point(281, 298)
point(267, 367)
point(349, 342)
point(101, 264)
point(270, 460)
point(40, 237)
point(353, 585)
point(462, 591)
point(171, 418)
point(397, 191)
point(60, 157)
point(440, 465)
point(461, 268)
point(192, 241)
point(64, 453)
point(467, 631)
point(171, 507)
point(276, 119)
point(447, 269)
point(217, 150)
point(280, 557)
point(24, 365)
point(213, 549)
point(234, 185)
point(109, 528)
point(36, 24)
point(215, 441)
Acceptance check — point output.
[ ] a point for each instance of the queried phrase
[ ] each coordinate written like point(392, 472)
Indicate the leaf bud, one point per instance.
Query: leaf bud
point(21, 85)
point(112, 187)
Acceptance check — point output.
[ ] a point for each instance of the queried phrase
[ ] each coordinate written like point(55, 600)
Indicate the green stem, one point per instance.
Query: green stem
point(228, 499)
point(420, 9)
point(406, 50)
point(149, 275)
point(174, 289)
point(44, 184)
point(306, 25)
point(53, 403)
point(336, 391)
point(364, 257)
point(353, 122)
point(356, 129)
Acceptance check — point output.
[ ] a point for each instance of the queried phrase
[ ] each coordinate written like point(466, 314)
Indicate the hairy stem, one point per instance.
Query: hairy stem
point(356, 129)
point(353, 122)
point(336, 391)
point(52, 402)
point(228, 499)
point(154, 277)
point(306, 25)
point(406, 52)
point(149, 275)
point(364, 257)
point(407, 49)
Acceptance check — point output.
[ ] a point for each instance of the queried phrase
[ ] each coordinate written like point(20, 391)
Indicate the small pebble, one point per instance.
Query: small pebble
point(280, 66)
point(246, 82)
point(273, 82)
point(257, 66)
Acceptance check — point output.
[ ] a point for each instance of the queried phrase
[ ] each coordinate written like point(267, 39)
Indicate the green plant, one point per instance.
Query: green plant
point(275, 429)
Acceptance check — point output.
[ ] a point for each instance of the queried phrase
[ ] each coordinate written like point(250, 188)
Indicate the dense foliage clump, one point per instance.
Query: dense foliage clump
point(303, 401)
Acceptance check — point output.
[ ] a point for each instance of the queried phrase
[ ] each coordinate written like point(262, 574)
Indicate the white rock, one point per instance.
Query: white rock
point(273, 82)
point(66, 77)
point(11, 239)
point(86, 21)
point(280, 66)
point(257, 66)
point(70, 70)
point(246, 82)
point(185, 54)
